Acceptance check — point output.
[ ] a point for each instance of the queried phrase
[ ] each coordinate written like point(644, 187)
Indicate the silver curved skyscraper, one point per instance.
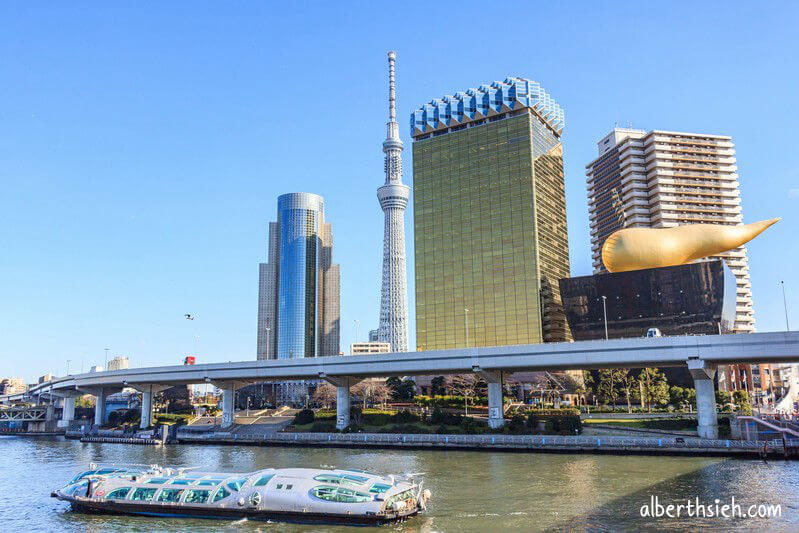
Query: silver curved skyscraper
point(393, 198)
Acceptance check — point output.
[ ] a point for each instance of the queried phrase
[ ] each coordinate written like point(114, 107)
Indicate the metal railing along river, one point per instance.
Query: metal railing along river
point(496, 441)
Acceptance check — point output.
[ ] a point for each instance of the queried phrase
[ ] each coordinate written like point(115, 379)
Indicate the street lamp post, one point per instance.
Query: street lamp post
point(466, 320)
point(605, 312)
point(785, 304)
point(68, 367)
point(106, 360)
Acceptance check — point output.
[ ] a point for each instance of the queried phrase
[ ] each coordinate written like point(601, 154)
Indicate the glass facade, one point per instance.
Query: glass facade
point(490, 233)
point(299, 216)
point(692, 299)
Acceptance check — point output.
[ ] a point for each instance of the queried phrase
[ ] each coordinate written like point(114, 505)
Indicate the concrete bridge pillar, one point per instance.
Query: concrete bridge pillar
point(228, 405)
point(99, 408)
point(342, 384)
point(146, 409)
point(703, 374)
point(342, 407)
point(68, 412)
point(496, 411)
point(147, 392)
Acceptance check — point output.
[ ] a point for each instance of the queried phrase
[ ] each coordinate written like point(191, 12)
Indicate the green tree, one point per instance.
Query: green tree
point(653, 388)
point(628, 384)
point(610, 383)
point(586, 388)
point(438, 386)
point(742, 402)
point(690, 398)
point(393, 383)
point(676, 396)
point(402, 390)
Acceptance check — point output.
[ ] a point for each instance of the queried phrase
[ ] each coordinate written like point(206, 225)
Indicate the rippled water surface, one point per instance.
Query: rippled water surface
point(472, 491)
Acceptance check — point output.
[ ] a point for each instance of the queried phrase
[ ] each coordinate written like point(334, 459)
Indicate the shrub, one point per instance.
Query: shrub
point(470, 426)
point(452, 402)
point(171, 418)
point(517, 425)
point(404, 417)
point(326, 426)
point(564, 421)
point(306, 416)
point(406, 428)
point(440, 417)
point(123, 416)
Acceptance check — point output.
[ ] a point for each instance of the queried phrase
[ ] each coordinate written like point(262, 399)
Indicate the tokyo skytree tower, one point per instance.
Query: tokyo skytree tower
point(393, 198)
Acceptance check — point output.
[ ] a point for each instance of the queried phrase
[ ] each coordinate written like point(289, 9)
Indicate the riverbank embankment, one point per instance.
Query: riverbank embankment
point(515, 443)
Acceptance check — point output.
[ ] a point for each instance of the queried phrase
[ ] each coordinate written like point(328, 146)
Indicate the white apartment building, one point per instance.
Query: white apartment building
point(366, 348)
point(663, 179)
point(118, 363)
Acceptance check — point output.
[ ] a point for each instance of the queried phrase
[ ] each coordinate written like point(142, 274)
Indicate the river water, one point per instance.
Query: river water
point(472, 491)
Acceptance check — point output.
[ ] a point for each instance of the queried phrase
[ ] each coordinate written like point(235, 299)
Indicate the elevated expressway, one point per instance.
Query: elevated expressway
point(701, 354)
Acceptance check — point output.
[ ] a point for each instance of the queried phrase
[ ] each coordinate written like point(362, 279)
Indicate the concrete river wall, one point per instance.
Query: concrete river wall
point(528, 443)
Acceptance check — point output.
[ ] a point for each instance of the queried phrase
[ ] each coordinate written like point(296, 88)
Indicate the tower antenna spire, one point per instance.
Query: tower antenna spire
point(392, 100)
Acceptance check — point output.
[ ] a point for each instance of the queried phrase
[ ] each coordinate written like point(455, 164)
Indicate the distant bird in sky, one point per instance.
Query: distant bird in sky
point(189, 317)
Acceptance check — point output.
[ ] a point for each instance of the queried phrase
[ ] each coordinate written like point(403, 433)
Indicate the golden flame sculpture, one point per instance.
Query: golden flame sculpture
point(639, 248)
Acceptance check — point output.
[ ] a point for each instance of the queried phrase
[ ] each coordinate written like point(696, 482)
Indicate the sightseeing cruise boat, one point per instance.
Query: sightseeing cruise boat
point(288, 494)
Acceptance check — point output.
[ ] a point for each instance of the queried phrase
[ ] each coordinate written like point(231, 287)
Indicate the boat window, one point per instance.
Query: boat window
point(169, 495)
point(379, 488)
point(182, 481)
point(80, 486)
point(118, 494)
point(279, 486)
point(328, 478)
point(221, 494)
point(81, 476)
point(263, 481)
point(143, 495)
point(236, 484)
point(405, 495)
point(157, 480)
point(196, 496)
point(338, 494)
point(339, 478)
point(355, 479)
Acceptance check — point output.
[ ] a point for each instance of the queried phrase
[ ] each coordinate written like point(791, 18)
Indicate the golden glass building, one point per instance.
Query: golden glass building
point(489, 218)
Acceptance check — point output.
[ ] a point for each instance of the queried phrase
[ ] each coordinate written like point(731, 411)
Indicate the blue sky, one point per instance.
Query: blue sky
point(143, 146)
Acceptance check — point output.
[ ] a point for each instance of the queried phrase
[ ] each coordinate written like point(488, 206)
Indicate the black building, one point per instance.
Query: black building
point(692, 299)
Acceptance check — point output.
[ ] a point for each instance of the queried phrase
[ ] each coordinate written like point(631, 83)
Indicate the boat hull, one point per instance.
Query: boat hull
point(100, 506)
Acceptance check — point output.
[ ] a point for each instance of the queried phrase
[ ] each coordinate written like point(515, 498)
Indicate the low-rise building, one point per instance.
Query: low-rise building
point(365, 348)
point(118, 363)
point(12, 386)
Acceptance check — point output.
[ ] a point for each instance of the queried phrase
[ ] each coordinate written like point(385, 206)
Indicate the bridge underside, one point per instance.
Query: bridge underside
point(701, 354)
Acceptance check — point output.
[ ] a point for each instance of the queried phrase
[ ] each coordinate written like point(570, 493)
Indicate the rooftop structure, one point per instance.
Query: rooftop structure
point(474, 106)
